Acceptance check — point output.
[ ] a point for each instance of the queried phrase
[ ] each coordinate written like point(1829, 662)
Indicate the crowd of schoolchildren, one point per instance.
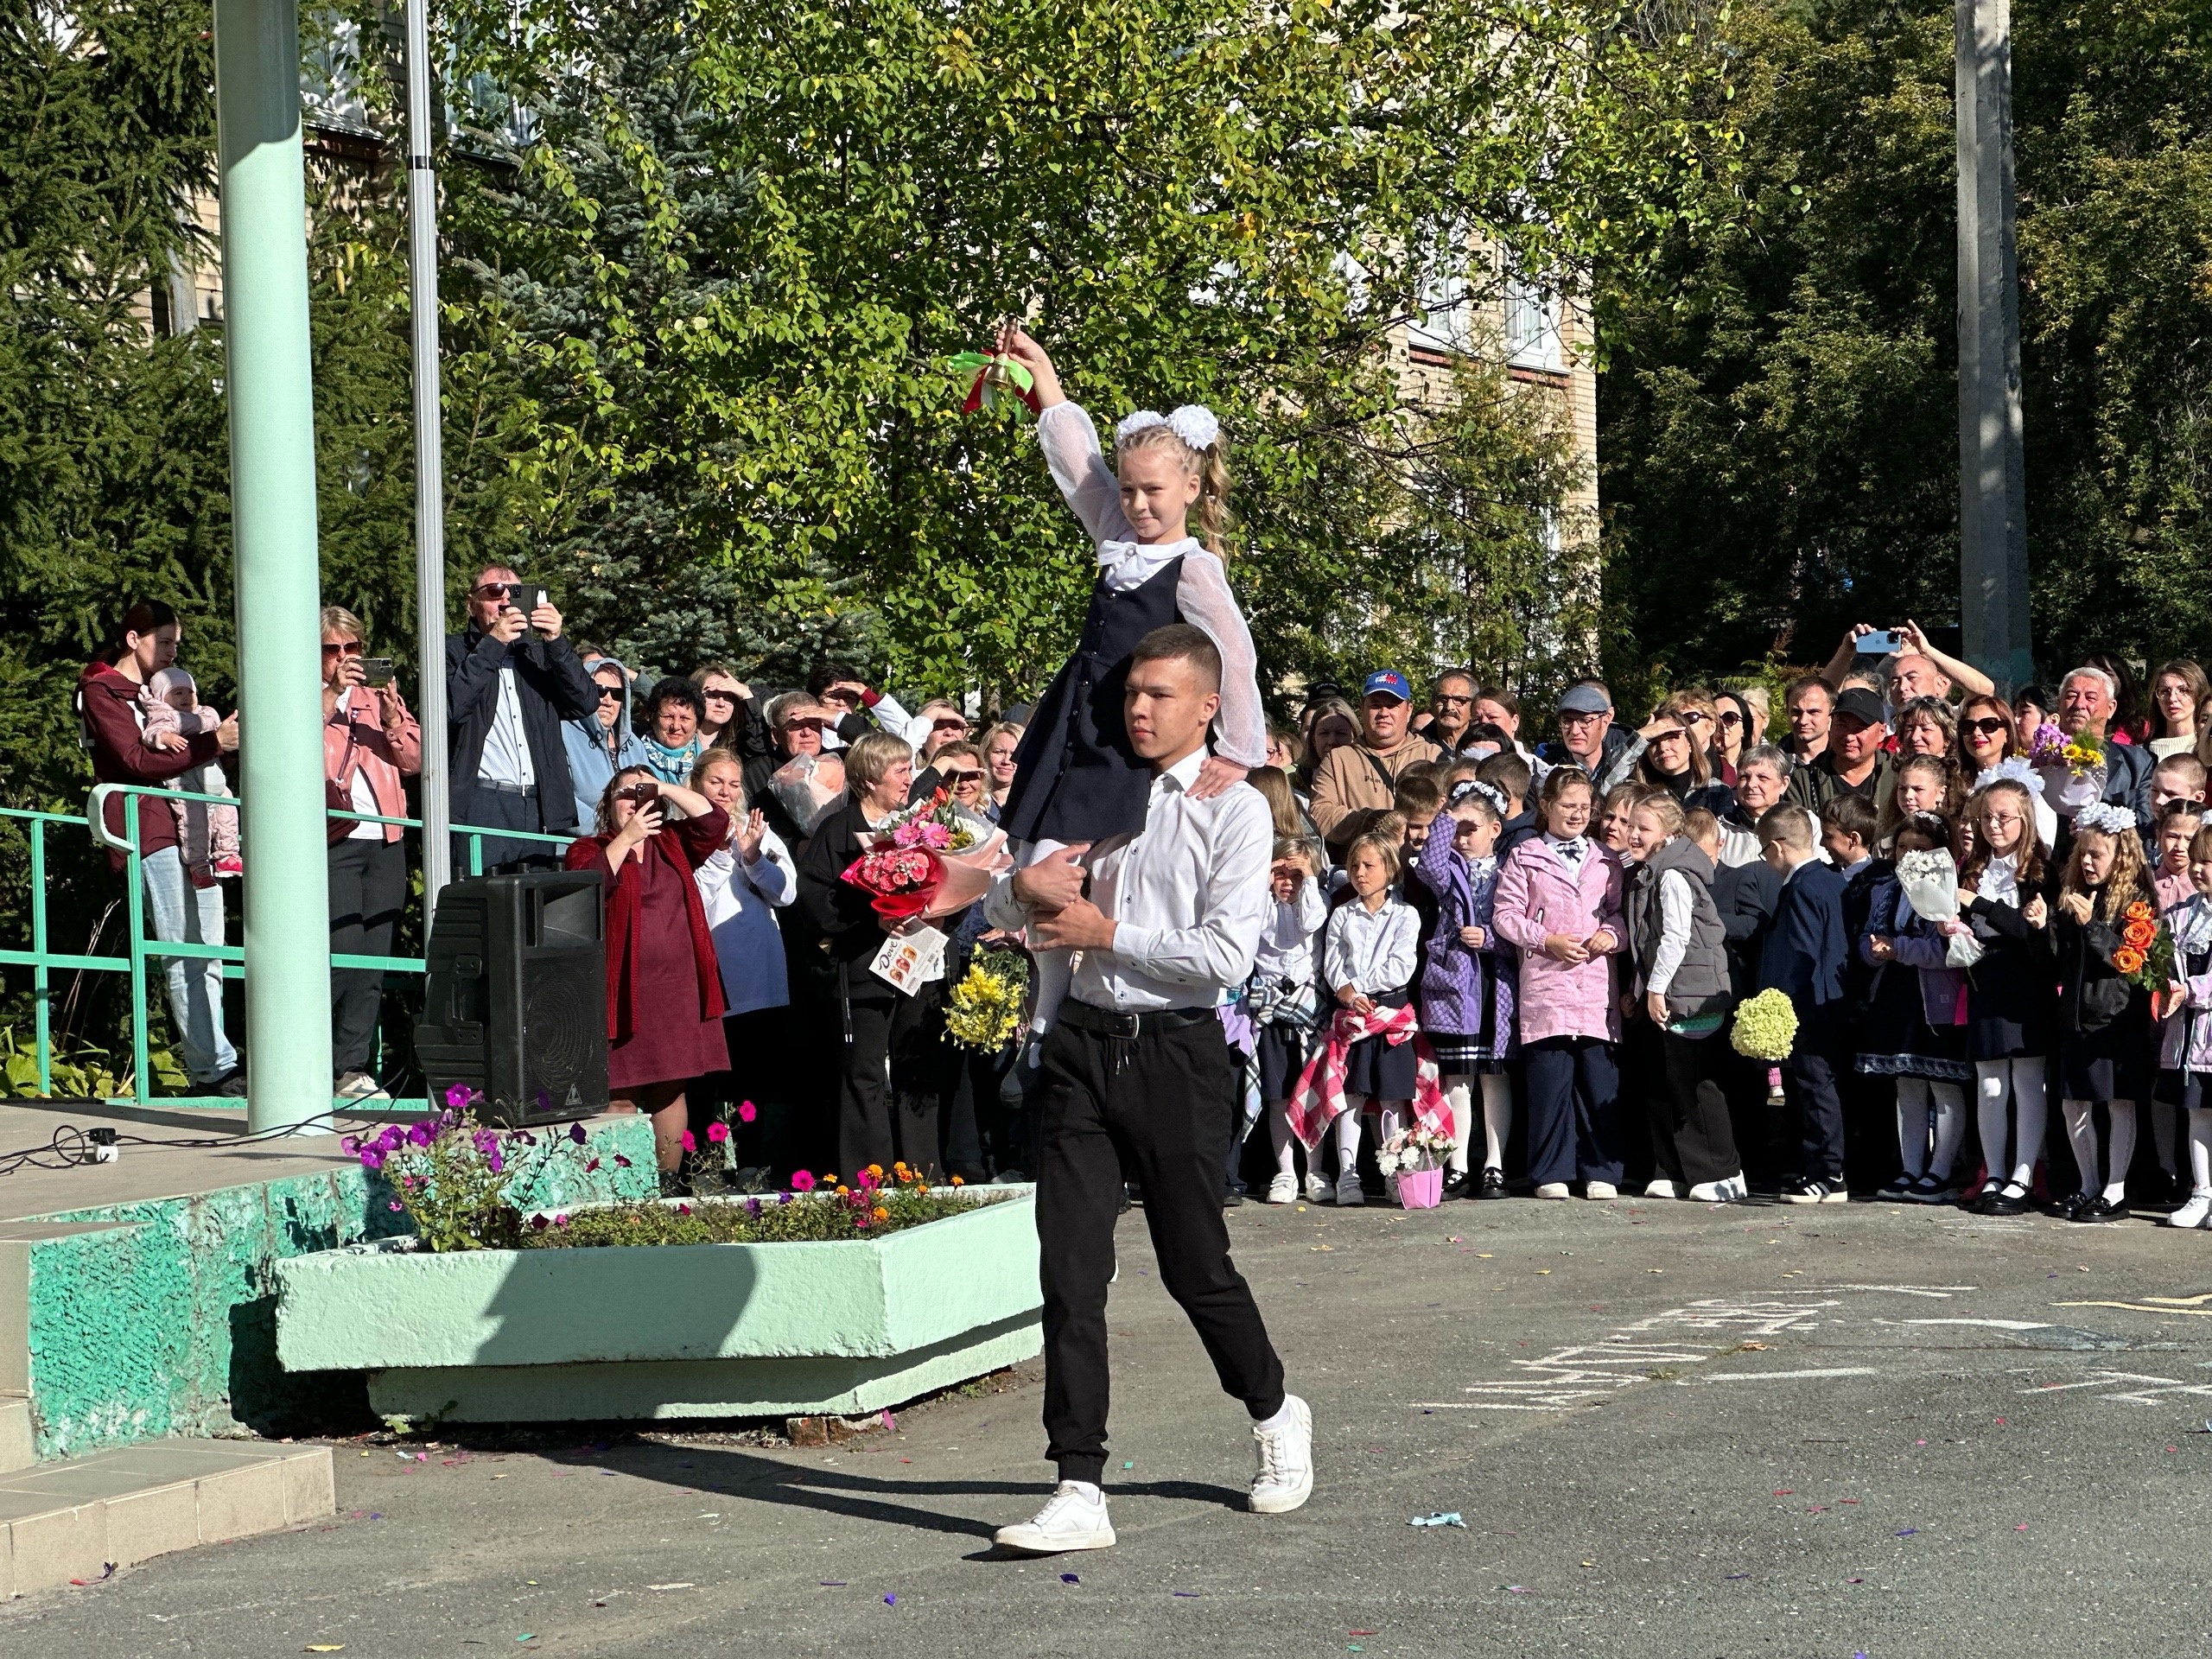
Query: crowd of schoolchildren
point(1566, 931)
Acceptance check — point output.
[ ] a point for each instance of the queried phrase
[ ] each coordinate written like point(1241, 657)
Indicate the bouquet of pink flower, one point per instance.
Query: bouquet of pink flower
point(899, 880)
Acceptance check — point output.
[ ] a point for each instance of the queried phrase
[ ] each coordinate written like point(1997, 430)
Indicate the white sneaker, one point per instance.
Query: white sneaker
point(2196, 1213)
point(359, 1085)
point(1552, 1189)
point(1347, 1193)
point(1283, 1190)
point(1073, 1519)
point(1714, 1191)
point(1285, 1477)
point(1319, 1190)
point(1661, 1188)
point(1600, 1191)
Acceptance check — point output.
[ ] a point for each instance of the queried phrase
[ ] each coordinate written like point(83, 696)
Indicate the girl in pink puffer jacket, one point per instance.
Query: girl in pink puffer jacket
point(1559, 899)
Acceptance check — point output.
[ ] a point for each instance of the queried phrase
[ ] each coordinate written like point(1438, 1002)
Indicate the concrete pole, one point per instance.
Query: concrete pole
point(1992, 485)
point(430, 459)
point(268, 384)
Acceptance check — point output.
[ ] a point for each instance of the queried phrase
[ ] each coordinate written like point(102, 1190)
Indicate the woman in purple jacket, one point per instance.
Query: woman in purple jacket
point(1559, 901)
point(1467, 982)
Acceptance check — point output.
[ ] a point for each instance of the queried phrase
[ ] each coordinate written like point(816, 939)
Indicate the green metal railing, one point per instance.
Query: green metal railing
point(44, 962)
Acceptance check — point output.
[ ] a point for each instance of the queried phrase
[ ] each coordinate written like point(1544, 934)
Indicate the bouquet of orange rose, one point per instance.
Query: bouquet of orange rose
point(2145, 955)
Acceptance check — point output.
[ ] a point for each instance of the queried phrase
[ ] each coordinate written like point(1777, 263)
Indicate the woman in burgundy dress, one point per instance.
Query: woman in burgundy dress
point(664, 985)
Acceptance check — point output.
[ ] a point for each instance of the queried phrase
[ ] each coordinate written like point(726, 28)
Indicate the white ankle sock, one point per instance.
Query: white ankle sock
point(1280, 1419)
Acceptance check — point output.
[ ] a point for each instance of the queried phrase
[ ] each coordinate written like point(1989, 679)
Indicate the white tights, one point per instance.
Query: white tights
point(1949, 1099)
point(2200, 1149)
point(2023, 1080)
point(1498, 1117)
point(1055, 967)
point(2082, 1130)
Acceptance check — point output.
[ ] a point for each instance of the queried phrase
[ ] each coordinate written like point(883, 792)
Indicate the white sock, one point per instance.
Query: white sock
point(1348, 1135)
point(2200, 1148)
point(1090, 1491)
point(2121, 1153)
point(2081, 1131)
point(1950, 1126)
point(1498, 1117)
point(1459, 1094)
point(1912, 1125)
point(1992, 1081)
point(2028, 1092)
point(1280, 1136)
point(1280, 1419)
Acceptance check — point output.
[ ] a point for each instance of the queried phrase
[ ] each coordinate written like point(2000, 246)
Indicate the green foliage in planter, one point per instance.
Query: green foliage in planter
point(775, 1220)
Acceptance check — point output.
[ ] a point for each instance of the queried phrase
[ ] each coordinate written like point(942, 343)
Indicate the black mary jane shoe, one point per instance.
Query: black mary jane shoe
point(2073, 1206)
point(2102, 1208)
point(1996, 1202)
point(1492, 1186)
point(1458, 1183)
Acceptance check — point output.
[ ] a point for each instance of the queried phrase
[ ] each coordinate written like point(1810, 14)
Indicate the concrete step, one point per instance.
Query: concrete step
point(17, 1448)
point(71, 1519)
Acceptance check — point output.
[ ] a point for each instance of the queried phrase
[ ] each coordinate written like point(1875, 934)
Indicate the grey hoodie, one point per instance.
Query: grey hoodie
point(592, 762)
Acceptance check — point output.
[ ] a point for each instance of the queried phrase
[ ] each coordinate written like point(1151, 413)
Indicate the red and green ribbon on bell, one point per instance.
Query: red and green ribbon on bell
point(994, 377)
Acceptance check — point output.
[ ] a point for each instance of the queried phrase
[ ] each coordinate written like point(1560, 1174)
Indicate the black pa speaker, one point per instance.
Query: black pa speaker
point(516, 1004)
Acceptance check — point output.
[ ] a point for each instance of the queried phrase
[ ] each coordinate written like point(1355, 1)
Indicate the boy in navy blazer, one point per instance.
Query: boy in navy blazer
point(1804, 956)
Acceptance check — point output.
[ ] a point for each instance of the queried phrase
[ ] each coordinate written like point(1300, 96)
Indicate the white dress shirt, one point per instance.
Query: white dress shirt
point(1372, 951)
point(741, 901)
point(1676, 906)
point(507, 745)
point(1289, 935)
point(1188, 893)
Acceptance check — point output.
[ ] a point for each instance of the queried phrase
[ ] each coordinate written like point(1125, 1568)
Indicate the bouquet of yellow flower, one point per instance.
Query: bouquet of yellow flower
point(990, 1005)
point(1766, 1026)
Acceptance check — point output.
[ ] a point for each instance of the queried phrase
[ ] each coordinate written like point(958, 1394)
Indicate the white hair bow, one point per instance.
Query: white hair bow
point(2011, 770)
point(1194, 423)
point(2105, 817)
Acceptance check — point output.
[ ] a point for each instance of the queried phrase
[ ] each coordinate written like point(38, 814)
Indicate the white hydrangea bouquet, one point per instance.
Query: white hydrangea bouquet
point(1930, 881)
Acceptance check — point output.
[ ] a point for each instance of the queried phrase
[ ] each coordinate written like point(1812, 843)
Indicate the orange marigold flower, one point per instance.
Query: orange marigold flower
point(844, 1192)
point(2127, 960)
point(876, 1170)
point(881, 1214)
point(957, 1181)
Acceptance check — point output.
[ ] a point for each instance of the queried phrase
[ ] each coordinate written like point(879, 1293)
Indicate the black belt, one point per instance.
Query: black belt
point(1108, 1022)
point(526, 791)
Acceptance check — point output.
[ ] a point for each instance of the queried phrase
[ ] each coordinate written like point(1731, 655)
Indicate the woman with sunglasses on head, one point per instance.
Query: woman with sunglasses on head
point(664, 998)
point(1733, 729)
point(1677, 755)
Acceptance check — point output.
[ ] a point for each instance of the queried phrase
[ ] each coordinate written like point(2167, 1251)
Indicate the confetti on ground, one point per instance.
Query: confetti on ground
point(1908, 1532)
point(1070, 1578)
point(685, 1584)
point(1129, 1463)
point(1739, 1575)
point(326, 1647)
point(1186, 1595)
point(2023, 1526)
point(891, 1600)
point(1362, 1632)
point(1484, 1255)
point(1784, 1492)
point(1442, 1518)
point(1516, 1589)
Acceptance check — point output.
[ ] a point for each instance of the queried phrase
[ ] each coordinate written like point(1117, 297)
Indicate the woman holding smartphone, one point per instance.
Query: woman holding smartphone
point(664, 985)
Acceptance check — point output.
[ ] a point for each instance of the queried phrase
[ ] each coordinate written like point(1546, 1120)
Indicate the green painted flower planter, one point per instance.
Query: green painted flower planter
point(682, 1330)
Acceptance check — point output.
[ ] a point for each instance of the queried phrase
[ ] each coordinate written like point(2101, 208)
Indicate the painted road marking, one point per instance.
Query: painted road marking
point(1994, 1324)
point(2186, 1306)
point(2151, 1389)
point(1777, 1376)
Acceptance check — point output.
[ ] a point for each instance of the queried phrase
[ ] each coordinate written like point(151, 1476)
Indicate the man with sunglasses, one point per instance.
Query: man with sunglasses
point(859, 707)
point(510, 681)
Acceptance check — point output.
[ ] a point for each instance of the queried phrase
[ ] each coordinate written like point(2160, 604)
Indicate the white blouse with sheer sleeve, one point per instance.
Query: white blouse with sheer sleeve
point(1202, 592)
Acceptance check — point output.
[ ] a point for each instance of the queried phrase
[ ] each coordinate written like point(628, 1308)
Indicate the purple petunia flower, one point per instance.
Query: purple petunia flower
point(559, 1221)
point(395, 1205)
point(620, 1162)
point(421, 1135)
point(746, 1111)
point(349, 1145)
point(753, 1208)
point(371, 1159)
point(718, 1133)
point(576, 1133)
point(537, 1223)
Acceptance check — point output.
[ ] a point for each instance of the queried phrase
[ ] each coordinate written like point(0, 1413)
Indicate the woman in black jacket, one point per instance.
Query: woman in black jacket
point(1677, 755)
point(879, 770)
point(2104, 1017)
point(2001, 894)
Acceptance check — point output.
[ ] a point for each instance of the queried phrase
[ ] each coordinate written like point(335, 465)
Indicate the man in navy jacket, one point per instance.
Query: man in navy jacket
point(1803, 956)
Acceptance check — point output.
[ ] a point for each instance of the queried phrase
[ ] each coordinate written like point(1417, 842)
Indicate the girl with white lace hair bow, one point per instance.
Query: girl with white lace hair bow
point(1077, 781)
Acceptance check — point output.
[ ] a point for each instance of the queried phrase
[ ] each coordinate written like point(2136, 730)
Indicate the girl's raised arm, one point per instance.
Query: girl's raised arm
point(1203, 596)
point(1072, 446)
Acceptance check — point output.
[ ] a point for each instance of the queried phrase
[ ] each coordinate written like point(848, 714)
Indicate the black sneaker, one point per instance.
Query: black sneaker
point(1806, 1190)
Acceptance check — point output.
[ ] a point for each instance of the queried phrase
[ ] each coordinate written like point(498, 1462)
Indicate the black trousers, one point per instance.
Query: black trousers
point(881, 1116)
point(368, 886)
point(1159, 1105)
point(1810, 1077)
point(1692, 1139)
point(505, 809)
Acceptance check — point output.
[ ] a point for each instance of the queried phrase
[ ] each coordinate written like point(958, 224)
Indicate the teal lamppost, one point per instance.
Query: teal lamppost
point(268, 385)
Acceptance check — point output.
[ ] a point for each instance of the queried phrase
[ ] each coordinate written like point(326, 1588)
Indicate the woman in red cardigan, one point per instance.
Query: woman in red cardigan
point(664, 985)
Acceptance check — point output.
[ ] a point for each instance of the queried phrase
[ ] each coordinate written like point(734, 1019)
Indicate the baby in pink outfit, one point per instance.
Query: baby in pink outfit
point(208, 836)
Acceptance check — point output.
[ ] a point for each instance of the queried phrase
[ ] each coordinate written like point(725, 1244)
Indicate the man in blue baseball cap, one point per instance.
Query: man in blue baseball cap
point(1358, 783)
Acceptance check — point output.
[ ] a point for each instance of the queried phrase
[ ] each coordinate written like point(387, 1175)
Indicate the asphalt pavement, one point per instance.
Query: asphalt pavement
point(1850, 1430)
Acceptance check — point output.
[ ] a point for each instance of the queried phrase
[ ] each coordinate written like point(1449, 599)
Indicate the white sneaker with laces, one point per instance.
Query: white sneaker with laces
point(1319, 1190)
point(1600, 1191)
point(1552, 1189)
point(1661, 1188)
point(1347, 1193)
point(1285, 1477)
point(359, 1085)
point(1714, 1191)
point(2196, 1213)
point(1074, 1518)
point(1283, 1190)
